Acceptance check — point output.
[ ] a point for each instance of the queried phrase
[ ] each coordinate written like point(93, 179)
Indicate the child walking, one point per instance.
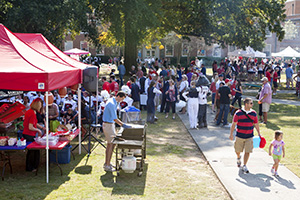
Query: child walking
point(278, 151)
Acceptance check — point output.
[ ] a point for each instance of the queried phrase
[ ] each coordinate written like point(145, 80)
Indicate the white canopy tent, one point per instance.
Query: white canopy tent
point(287, 52)
point(249, 52)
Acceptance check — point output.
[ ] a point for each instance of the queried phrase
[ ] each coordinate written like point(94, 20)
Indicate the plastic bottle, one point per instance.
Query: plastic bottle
point(19, 143)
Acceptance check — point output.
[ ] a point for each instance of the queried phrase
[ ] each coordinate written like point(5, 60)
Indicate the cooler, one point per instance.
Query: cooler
point(63, 156)
point(131, 114)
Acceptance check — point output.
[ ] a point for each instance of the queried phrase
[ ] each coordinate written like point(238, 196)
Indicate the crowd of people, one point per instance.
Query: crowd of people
point(157, 86)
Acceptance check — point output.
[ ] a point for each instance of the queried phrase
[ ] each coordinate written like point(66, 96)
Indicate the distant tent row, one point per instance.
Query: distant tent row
point(249, 52)
point(287, 52)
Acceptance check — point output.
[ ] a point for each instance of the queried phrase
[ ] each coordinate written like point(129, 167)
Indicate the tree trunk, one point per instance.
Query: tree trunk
point(130, 47)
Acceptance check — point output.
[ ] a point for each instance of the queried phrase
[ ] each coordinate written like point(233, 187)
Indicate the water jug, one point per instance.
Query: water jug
point(129, 163)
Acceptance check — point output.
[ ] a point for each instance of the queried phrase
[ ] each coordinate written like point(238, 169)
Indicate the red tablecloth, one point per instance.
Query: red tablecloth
point(63, 141)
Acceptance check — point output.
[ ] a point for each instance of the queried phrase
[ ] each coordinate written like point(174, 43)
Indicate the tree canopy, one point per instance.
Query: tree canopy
point(228, 22)
point(53, 18)
point(134, 22)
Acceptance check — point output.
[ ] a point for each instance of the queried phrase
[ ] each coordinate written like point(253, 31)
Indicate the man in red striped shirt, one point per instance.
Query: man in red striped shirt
point(245, 120)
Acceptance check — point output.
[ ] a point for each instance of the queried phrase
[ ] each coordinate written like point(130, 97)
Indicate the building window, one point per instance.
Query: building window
point(216, 50)
point(293, 9)
point(100, 51)
point(68, 45)
point(84, 45)
point(169, 50)
point(267, 50)
point(185, 49)
point(201, 50)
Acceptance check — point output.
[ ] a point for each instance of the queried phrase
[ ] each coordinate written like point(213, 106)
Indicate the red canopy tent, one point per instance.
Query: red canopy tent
point(24, 68)
point(41, 44)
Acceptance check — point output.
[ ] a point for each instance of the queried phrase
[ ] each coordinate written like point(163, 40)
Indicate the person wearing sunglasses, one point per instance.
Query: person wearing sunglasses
point(244, 120)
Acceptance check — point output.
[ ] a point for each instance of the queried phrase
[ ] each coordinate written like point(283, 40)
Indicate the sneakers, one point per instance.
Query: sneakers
point(108, 168)
point(166, 116)
point(238, 161)
point(245, 169)
point(272, 171)
point(276, 174)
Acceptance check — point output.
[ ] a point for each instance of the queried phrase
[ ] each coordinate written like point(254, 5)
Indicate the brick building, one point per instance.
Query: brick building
point(292, 28)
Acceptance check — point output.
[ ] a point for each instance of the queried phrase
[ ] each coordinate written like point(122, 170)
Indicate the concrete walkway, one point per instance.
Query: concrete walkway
point(259, 183)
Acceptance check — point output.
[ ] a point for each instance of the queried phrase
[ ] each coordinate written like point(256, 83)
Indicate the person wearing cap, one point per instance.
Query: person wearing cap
point(127, 101)
point(244, 120)
point(225, 95)
point(265, 98)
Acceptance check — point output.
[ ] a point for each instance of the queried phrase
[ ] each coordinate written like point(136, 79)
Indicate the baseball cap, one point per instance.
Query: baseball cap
point(264, 79)
point(227, 80)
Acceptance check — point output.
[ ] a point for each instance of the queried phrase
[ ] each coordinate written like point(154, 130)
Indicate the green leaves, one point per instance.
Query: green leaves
point(241, 23)
point(53, 18)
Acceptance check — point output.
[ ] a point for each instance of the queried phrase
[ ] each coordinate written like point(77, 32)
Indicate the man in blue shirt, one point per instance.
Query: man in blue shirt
point(109, 120)
point(122, 72)
point(163, 72)
point(289, 76)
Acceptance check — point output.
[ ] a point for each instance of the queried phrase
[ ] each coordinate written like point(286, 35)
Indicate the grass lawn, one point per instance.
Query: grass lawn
point(175, 169)
point(277, 96)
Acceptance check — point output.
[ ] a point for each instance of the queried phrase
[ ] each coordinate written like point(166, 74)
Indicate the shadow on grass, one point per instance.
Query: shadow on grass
point(272, 126)
point(86, 169)
point(21, 183)
point(125, 183)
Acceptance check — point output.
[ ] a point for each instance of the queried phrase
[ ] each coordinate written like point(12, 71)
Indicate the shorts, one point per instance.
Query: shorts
point(240, 144)
point(265, 107)
point(260, 72)
point(109, 131)
point(275, 84)
point(276, 157)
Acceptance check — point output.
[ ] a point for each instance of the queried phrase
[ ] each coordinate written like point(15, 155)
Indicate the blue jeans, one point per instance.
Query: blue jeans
point(224, 109)
point(213, 96)
point(121, 79)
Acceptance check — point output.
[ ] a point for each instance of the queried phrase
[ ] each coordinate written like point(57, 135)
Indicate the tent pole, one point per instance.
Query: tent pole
point(79, 116)
point(97, 96)
point(47, 138)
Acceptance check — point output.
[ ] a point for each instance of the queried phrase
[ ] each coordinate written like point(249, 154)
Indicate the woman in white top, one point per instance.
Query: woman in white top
point(184, 86)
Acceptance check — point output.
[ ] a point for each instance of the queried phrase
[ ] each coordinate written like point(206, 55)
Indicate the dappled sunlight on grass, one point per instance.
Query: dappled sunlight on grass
point(174, 169)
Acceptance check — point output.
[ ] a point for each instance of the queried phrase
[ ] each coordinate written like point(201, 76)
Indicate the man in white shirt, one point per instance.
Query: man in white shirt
point(69, 103)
